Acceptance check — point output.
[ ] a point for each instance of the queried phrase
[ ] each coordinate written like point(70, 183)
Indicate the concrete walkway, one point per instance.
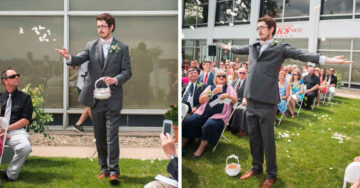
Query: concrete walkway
point(88, 152)
point(348, 93)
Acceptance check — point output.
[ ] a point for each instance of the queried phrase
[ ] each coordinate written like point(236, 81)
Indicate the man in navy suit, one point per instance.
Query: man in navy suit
point(207, 77)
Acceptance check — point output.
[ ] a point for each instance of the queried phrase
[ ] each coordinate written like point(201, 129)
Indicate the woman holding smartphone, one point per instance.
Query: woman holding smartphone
point(208, 121)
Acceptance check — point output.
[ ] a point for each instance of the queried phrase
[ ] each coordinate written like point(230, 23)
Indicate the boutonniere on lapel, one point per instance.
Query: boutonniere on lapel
point(277, 42)
point(114, 48)
point(199, 84)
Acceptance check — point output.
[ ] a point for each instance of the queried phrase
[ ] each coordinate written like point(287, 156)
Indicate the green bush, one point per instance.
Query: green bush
point(172, 114)
point(39, 117)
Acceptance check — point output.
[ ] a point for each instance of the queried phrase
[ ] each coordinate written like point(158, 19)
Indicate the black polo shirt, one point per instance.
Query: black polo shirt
point(333, 79)
point(21, 105)
point(311, 81)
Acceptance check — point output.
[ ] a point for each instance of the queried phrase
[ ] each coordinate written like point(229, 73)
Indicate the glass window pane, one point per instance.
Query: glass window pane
point(355, 75)
point(357, 6)
point(356, 44)
point(38, 5)
point(297, 43)
point(190, 13)
point(336, 7)
point(32, 53)
point(297, 8)
point(340, 44)
point(124, 5)
point(195, 14)
point(203, 14)
point(241, 12)
point(153, 54)
point(342, 69)
point(271, 8)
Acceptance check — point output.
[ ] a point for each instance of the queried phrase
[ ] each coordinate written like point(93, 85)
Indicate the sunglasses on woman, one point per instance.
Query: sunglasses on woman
point(219, 76)
point(296, 74)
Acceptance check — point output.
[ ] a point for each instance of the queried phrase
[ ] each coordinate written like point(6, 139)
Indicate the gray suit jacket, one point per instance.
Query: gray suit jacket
point(262, 80)
point(117, 65)
point(240, 90)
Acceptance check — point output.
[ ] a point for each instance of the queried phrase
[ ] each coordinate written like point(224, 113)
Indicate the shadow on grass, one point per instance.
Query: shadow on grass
point(223, 150)
point(35, 162)
point(136, 180)
point(188, 172)
point(39, 178)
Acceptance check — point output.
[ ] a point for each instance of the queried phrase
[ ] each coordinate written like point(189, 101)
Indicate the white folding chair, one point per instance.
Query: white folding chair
point(300, 103)
point(222, 133)
point(184, 110)
point(283, 114)
point(352, 173)
point(4, 124)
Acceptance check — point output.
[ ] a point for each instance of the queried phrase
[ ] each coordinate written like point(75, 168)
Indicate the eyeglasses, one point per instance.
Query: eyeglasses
point(13, 76)
point(260, 28)
point(296, 74)
point(331, 70)
point(101, 26)
point(242, 72)
point(219, 76)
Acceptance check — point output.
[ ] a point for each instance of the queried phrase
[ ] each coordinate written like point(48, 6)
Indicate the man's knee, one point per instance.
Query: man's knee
point(24, 148)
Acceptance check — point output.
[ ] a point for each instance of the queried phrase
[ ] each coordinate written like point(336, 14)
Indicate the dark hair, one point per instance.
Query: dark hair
point(270, 22)
point(110, 20)
point(3, 74)
point(192, 70)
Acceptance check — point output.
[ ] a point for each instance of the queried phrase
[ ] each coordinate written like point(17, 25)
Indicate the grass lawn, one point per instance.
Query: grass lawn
point(309, 157)
point(66, 172)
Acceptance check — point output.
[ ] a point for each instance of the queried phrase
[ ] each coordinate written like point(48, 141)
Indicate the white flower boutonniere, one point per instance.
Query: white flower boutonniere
point(114, 48)
point(199, 84)
point(277, 42)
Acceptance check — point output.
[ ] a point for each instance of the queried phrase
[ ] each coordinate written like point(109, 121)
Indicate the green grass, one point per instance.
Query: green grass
point(65, 172)
point(312, 159)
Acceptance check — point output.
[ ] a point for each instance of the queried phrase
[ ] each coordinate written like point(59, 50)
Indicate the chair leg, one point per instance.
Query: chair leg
point(222, 135)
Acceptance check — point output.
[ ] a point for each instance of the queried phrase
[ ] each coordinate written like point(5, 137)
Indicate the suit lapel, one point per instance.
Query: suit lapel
point(101, 52)
point(270, 46)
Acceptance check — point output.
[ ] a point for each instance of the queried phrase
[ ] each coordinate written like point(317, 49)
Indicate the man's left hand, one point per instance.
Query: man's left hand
point(338, 60)
point(109, 80)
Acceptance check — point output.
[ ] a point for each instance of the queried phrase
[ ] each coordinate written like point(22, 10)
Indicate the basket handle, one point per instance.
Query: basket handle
point(232, 156)
point(98, 81)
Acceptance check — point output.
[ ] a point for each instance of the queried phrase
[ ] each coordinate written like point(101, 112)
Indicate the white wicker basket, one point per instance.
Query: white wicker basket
point(232, 171)
point(101, 93)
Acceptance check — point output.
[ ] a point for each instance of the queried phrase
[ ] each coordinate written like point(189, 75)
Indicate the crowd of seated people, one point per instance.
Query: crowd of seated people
point(227, 79)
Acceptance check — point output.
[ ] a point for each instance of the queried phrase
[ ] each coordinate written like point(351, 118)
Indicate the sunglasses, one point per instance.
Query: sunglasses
point(242, 72)
point(219, 76)
point(13, 76)
point(296, 74)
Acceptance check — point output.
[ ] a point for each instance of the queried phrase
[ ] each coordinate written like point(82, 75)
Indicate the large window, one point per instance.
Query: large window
point(336, 47)
point(85, 5)
point(239, 12)
point(223, 55)
point(13, 5)
point(301, 44)
point(194, 49)
point(153, 54)
point(337, 9)
point(285, 10)
point(195, 13)
point(28, 47)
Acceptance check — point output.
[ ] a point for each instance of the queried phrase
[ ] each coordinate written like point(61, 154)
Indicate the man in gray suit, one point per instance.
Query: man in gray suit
point(262, 92)
point(108, 59)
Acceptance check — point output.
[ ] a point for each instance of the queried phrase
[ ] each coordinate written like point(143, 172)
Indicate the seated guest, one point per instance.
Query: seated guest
point(297, 91)
point(284, 90)
point(305, 71)
point(222, 65)
point(194, 64)
point(238, 122)
point(192, 90)
point(245, 65)
point(212, 118)
point(322, 87)
point(312, 83)
point(207, 77)
point(17, 108)
point(331, 82)
point(169, 148)
point(215, 66)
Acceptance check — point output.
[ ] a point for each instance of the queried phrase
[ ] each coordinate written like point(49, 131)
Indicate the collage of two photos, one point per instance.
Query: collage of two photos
point(187, 93)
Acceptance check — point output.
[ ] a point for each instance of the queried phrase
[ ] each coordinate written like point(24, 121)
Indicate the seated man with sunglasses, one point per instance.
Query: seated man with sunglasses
point(17, 108)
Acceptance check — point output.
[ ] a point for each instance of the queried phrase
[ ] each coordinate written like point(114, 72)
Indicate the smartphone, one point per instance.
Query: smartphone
point(167, 127)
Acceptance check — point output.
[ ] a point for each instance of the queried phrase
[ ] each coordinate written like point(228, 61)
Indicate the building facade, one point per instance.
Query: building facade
point(31, 30)
point(328, 27)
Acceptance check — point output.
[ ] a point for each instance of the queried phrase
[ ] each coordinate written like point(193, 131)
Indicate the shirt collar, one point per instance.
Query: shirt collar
point(111, 39)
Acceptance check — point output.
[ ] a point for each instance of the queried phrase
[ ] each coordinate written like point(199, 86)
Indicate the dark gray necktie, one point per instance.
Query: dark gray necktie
point(7, 114)
point(188, 93)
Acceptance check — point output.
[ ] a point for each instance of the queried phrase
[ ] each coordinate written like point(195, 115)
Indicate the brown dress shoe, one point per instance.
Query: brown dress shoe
point(268, 182)
point(248, 175)
point(114, 179)
point(102, 176)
